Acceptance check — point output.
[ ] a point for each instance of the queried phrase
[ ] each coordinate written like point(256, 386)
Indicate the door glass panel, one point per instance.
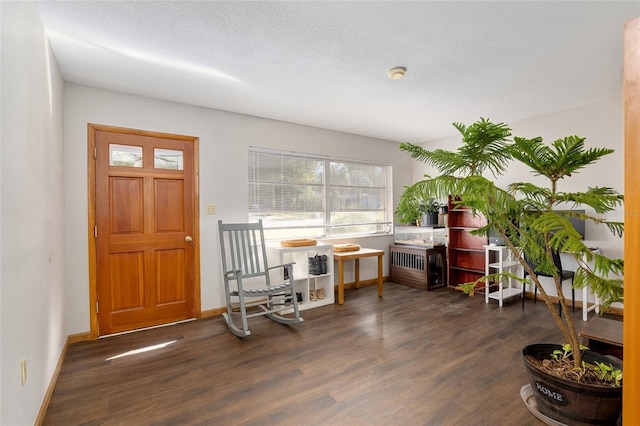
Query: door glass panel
point(167, 159)
point(125, 155)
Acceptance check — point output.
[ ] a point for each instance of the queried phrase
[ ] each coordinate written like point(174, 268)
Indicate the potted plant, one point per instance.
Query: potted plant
point(526, 216)
point(413, 209)
point(429, 209)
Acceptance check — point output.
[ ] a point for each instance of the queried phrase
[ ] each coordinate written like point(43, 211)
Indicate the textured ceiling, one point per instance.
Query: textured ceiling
point(324, 64)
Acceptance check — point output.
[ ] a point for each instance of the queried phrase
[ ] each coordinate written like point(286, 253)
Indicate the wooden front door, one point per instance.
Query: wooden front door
point(145, 228)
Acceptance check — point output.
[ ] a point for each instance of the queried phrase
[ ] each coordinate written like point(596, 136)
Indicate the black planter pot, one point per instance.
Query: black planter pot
point(569, 402)
point(429, 219)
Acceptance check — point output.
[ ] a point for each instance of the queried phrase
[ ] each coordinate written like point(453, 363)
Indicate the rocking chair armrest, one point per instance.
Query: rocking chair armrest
point(282, 264)
point(233, 272)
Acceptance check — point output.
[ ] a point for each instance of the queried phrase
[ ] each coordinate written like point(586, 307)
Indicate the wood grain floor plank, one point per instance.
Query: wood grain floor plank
point(411, 357)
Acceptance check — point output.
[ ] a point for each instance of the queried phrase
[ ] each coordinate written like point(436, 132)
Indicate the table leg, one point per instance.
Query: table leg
point(380, 276)
point(357, 272)
point(340, 282)
point(585, 308)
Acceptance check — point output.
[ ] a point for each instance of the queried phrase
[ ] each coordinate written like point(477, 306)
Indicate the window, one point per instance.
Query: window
point(125, 155)
point(132, 156)
point(298, 195)
point(168, 159)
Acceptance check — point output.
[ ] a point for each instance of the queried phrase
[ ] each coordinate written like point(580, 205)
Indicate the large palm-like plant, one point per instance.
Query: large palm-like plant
point(525, 215)
point(485, 147)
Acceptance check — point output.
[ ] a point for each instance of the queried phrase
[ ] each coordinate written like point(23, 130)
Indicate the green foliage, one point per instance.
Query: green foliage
point(412, 206)
point(408, 210)
point(485, 147)
point(525, 214)
point(566, 352)
point(563, 158)
point(608, 373)
point(430, 205)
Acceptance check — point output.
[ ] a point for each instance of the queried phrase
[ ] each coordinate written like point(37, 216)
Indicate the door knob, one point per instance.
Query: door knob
point(188, 238)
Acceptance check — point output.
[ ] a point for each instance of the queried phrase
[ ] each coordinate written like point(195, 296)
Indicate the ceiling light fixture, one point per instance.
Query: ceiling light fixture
point(397, 73)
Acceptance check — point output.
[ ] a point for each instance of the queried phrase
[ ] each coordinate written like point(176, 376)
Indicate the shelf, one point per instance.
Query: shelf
point(460, 268)
point(505, 264)
point(305, 277)
point(466, 251)
point(470, 250)
point(506, 293)
point(305, 282)
point(314, 304)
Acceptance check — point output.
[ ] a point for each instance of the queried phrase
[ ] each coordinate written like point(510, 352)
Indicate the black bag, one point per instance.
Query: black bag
point(314, 265)
point(323, 264)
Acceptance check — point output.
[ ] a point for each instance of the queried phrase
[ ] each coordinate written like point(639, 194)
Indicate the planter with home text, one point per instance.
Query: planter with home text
point(569, 402)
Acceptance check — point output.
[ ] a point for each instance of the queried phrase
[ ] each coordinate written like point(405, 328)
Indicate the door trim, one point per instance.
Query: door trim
point(91, 163)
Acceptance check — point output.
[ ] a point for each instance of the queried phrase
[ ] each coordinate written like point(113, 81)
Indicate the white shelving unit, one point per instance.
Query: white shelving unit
point(303, 279)
point(505, 263)
point(595, 306)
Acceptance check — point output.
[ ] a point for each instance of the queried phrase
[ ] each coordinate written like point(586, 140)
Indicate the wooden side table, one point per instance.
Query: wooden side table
point(603, 336)
point(356, 255)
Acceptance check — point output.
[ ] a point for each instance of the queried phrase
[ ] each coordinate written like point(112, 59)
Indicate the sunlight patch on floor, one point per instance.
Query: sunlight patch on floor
point(142, 350)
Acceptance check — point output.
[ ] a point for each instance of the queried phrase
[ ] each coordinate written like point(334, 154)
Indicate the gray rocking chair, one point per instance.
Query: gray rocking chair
point(246, 279)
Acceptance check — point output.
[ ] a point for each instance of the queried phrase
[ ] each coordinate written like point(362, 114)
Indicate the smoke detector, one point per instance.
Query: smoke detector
point(397, 73)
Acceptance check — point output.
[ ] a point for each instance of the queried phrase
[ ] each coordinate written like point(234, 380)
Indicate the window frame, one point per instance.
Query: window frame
point(384, 227)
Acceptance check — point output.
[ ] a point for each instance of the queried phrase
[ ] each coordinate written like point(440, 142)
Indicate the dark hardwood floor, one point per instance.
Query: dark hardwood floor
point(412, 357)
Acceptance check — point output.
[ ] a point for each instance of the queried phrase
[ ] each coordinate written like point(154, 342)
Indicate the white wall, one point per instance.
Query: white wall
point(602, 125)
point(32, 302)
point(224, 141)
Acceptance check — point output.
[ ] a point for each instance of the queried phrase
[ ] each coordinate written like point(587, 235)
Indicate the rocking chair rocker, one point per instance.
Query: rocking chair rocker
point(247, 282)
